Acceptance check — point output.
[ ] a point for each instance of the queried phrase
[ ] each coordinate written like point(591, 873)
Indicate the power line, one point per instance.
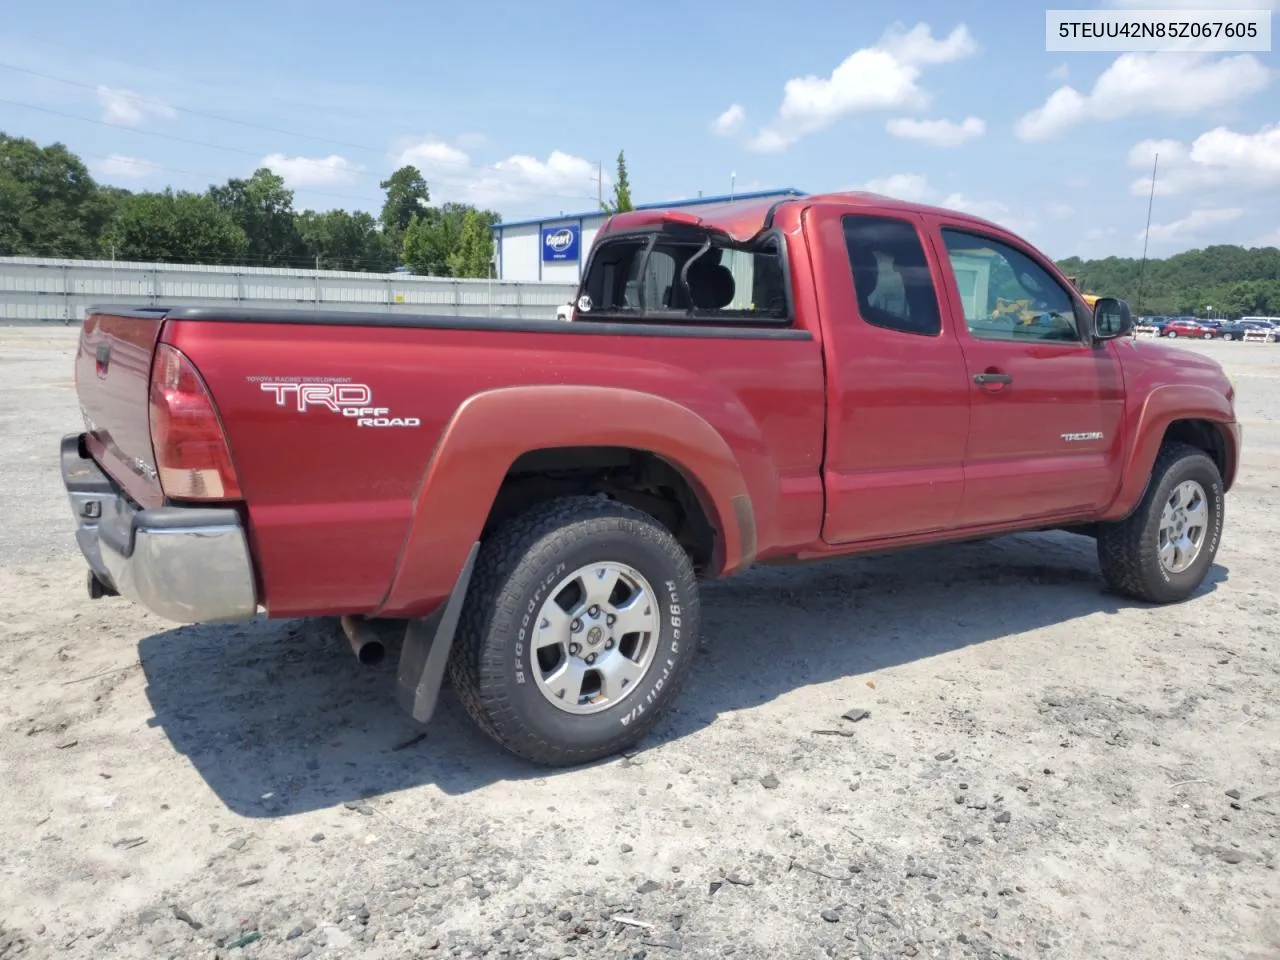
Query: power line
point(260, 95)
point(165, 136)
point(148, 165)
point(237, 150)
point(194, 113)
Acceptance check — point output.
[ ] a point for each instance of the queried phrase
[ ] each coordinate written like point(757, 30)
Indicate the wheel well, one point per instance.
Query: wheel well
point(639, 478)
point(1202, 434)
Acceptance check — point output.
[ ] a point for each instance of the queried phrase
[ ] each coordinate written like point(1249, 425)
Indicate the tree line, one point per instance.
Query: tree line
point(1226, 280)
point(50, 206)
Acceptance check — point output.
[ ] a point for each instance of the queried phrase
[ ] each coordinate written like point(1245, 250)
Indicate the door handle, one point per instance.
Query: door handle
point(984, 378)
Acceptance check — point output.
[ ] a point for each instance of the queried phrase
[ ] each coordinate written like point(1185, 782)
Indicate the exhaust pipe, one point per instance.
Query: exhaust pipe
point(364, 640)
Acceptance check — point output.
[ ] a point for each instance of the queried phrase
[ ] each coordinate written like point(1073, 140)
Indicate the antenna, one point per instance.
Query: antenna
point(1142, 268)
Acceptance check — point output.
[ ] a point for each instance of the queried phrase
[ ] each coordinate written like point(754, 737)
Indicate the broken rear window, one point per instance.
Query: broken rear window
point(663, 277)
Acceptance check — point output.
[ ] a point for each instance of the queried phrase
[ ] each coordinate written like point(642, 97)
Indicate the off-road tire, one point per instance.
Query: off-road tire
point(491, 668)
point(1128, 549)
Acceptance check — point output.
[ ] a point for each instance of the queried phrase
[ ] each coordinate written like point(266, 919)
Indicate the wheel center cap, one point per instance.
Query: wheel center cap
point(594, 635)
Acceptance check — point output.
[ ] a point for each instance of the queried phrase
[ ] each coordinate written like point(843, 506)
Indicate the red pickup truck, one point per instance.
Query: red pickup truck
point(531, 504)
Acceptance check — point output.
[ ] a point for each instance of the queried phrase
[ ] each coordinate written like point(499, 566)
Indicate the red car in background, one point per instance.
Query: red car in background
point(1189, 327)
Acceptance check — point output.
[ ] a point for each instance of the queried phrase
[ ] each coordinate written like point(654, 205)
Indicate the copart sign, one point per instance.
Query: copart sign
point(353, 401)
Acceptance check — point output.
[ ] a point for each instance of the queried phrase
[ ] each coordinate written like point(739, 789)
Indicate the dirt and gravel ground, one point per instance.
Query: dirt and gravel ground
point(1046, 770)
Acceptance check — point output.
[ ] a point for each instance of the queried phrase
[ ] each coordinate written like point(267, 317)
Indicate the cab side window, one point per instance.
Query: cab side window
point(1007, 295)
point(891, 278)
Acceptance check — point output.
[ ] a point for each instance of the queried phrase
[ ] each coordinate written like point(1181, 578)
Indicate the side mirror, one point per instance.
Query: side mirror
point(1111, 318)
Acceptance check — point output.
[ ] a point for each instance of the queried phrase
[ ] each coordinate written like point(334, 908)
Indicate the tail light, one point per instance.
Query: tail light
point(192, 455)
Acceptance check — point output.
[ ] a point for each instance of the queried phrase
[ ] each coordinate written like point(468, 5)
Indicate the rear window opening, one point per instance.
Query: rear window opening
point(665, 277)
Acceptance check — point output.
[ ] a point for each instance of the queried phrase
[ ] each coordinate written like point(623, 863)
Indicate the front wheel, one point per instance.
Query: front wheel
point(580, 626)
point(1228, 336)
point(1172, 334)
point(1162, 552)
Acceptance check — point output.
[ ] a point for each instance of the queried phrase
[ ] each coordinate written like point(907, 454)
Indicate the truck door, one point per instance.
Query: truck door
point(898, 396)
point(1047, 407)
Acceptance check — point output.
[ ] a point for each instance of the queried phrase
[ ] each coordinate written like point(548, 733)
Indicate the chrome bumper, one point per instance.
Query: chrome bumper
point(186, 564)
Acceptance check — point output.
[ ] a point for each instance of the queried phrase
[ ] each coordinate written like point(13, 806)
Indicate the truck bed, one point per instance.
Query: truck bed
point(328, 501)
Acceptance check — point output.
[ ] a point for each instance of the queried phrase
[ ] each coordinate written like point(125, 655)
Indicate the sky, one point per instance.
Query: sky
point(515, 105)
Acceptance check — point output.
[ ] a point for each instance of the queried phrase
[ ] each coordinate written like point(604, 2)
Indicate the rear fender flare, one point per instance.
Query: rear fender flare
point(491, 430)
point(1163, 406)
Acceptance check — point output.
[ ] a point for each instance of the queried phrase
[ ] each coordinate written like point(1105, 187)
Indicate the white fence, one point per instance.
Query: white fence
point(59, 291)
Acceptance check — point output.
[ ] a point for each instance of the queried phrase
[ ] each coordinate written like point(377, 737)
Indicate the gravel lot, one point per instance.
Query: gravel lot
point(1046, 771)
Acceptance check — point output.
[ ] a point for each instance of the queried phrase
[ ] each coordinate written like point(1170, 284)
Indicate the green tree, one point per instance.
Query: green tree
point(262, 206)
point(49, 204)
point(173, 227)
point(340, 240)
point(1233, 280)
point(427, 244)
point(407, 197)
point(621, 201)
point(437, 242)
point(473, 254)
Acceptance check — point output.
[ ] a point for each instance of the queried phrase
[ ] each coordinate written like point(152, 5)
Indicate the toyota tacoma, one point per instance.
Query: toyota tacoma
point(531, 504)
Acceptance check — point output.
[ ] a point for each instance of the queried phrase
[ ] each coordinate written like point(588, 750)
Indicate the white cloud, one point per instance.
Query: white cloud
point(130, 109)
point(913, 187)
point(729, 122)
point(916, 188)
point(937, 133)
point(1193, 225)
point(1060, 211)
point(993, 210)
point(1060, 73)
point(312, 172)
point(453, 174)
point(1197, 4)
point(1137, 84)
point(880, 77)
point(433, 155)
point(472, 140)
point(119, 165)
point(1219, 158)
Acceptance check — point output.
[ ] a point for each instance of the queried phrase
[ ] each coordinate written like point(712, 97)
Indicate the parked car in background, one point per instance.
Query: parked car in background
point(1268, 328)
point(1188, 327)
point(1227, 329)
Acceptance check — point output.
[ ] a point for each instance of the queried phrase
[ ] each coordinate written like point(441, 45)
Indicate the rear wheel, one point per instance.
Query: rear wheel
point(579, 628)
point(1172, 334)
point(1228, 336)
point(1163, 550)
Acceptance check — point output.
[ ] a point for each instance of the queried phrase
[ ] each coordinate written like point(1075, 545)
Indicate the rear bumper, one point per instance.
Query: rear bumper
point(186, 564)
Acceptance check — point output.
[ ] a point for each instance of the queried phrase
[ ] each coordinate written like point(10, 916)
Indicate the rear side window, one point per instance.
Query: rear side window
point(891, 277)
point(667, 278)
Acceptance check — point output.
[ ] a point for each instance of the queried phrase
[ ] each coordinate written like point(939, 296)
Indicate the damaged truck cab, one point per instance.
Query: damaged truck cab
point(534, 503)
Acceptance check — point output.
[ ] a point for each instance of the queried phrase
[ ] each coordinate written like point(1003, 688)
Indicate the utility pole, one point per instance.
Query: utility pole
point(1142, 268)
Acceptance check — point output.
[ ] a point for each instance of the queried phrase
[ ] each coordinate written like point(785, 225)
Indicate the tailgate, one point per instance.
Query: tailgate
point(113, 373)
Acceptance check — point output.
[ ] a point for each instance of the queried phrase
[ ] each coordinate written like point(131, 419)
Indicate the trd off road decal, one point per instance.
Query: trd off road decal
point(336, 394)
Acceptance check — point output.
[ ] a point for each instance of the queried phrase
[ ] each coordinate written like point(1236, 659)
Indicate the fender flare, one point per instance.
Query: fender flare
point(491, 430)
point(1162, 406)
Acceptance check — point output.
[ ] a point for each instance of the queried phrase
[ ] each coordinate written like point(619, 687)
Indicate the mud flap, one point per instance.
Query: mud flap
point(427, 642)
